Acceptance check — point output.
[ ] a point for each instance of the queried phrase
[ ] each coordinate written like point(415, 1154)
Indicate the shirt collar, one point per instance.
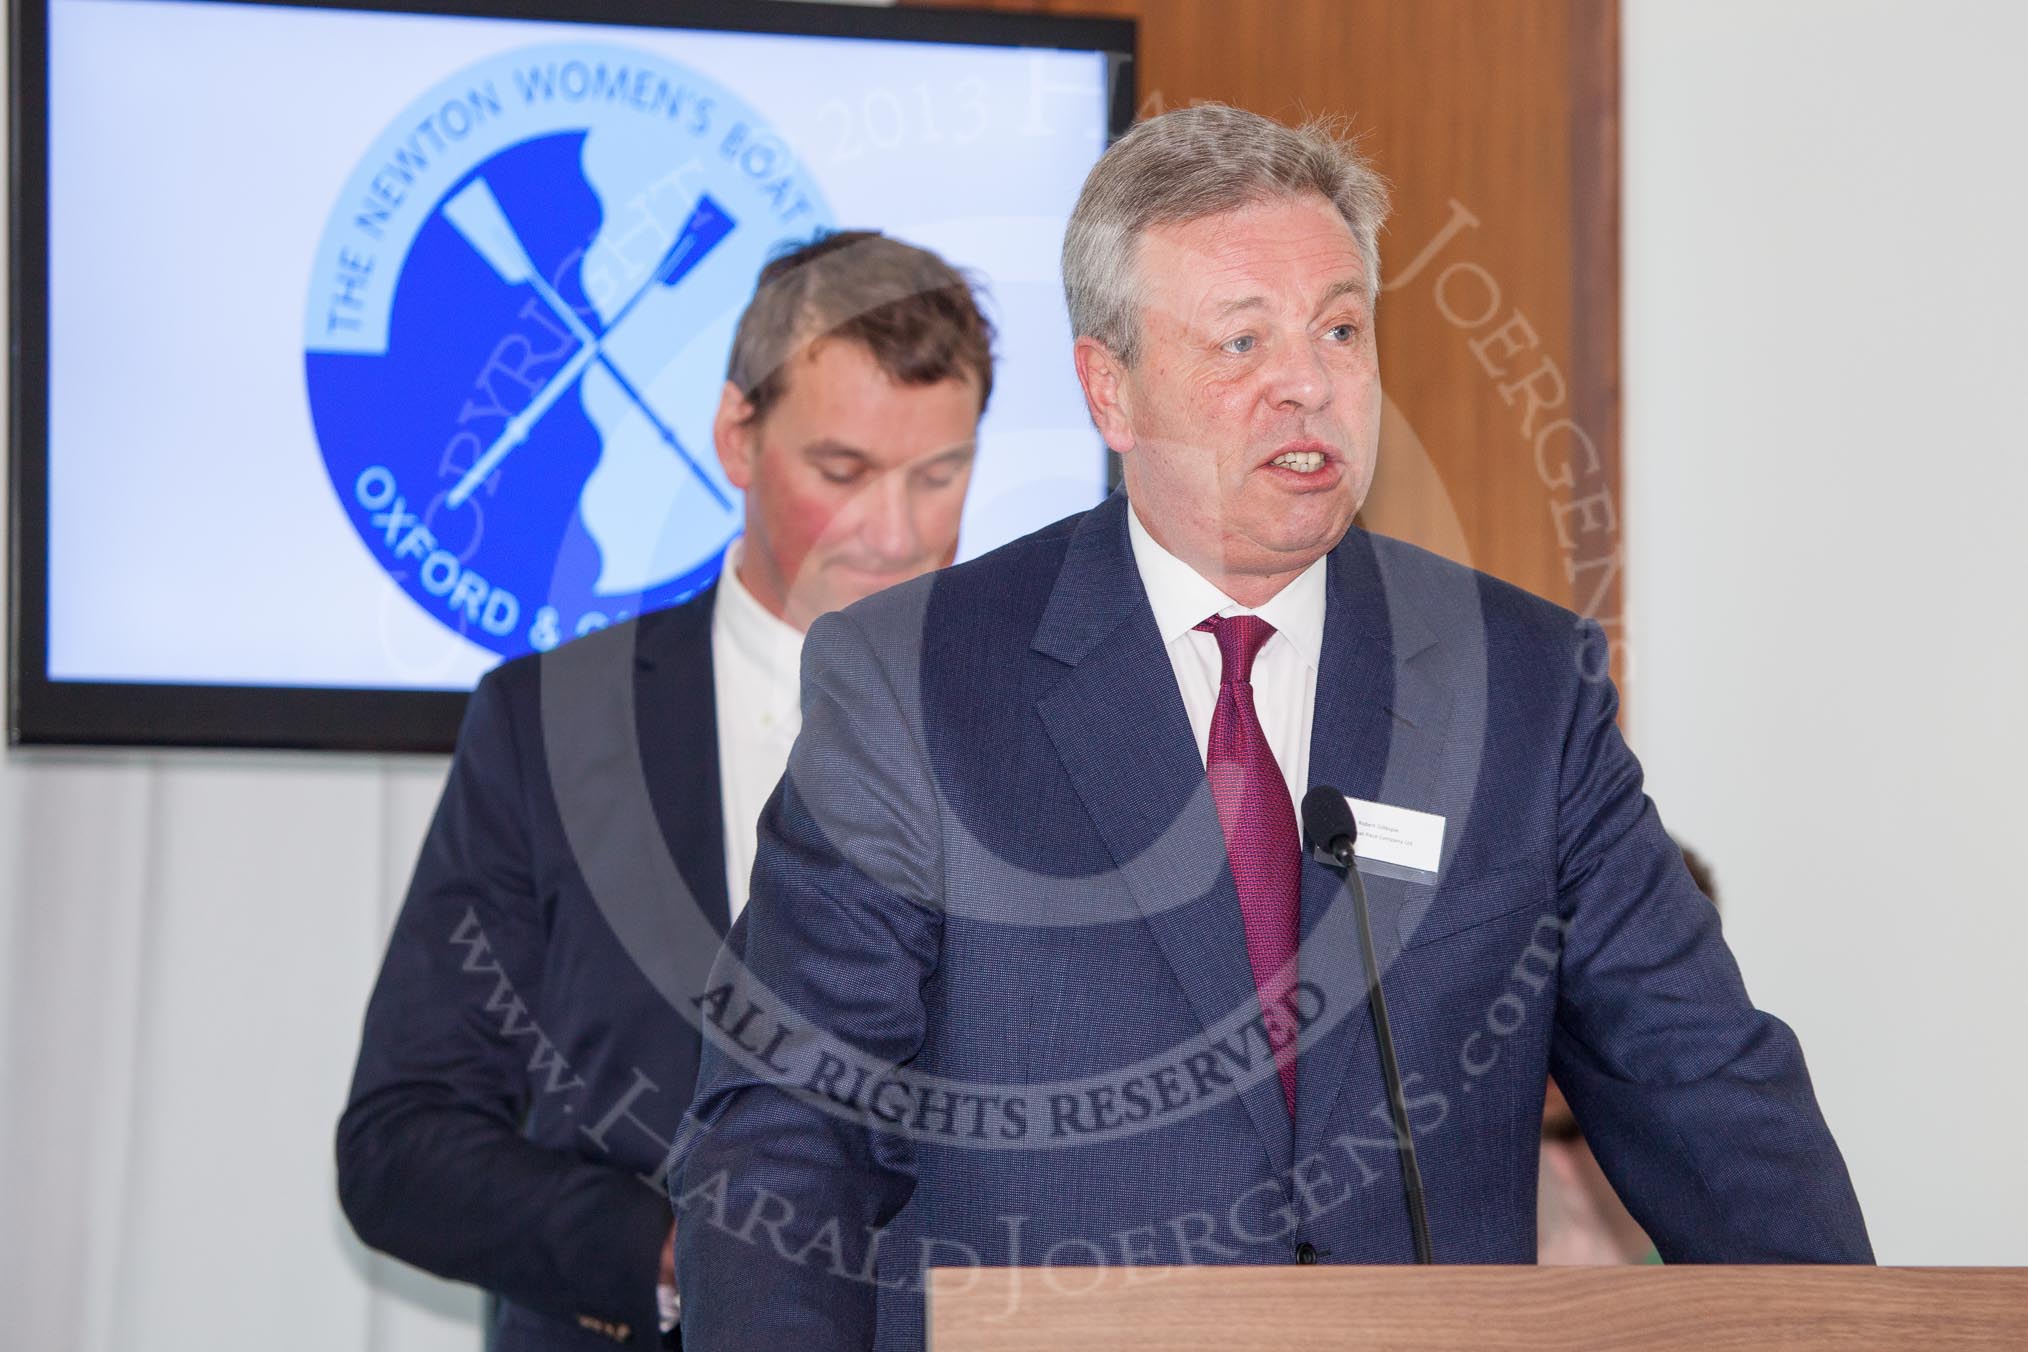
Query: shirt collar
point(765, 639)
point(1181, 598)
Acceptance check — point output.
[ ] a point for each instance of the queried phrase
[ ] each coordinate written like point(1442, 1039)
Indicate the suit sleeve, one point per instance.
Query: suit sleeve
point(432, 1164)
point(779, 1191)
point(1697, 1104)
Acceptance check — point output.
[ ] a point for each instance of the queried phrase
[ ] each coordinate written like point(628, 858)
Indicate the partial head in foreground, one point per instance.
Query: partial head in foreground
point(852, 400)
point(1221, 271)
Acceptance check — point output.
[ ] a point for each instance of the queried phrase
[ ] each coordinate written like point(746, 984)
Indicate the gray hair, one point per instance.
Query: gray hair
point(1195, 162)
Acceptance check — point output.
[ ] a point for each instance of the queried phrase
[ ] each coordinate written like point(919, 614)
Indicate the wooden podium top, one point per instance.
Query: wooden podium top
point(1295, 1309)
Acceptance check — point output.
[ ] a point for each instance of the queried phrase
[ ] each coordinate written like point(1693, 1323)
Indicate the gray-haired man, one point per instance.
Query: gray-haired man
point(1057, 983)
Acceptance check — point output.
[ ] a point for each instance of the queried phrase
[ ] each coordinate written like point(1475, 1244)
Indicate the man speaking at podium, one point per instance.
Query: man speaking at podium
point(1054, 980)
point(530, 1047)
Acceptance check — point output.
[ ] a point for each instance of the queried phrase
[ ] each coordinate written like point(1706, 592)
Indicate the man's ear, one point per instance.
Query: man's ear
point(736, 436)
point(1104, 378)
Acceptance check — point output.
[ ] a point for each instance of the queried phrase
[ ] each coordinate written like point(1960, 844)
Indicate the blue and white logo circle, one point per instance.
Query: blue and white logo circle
point(517, 332)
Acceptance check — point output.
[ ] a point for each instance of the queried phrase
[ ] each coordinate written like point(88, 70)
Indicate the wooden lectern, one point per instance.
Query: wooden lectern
point(1297, 1309)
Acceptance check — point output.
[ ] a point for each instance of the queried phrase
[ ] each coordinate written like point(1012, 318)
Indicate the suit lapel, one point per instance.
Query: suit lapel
point(631, 745)
point(1377, 733)
point(675, 715)
point(1118, 724)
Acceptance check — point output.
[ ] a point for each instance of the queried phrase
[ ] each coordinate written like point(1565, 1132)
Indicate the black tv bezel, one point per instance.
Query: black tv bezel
point(135, 714)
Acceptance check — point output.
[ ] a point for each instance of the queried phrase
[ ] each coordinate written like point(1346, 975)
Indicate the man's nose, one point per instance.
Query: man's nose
point(1297, 376)
point(887, 521)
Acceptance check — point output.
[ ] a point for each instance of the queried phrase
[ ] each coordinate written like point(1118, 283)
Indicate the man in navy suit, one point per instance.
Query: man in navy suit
point(1037, 970)
point(531, 1044)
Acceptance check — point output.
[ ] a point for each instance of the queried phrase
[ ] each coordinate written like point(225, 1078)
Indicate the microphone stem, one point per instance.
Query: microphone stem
point(1397, 1105)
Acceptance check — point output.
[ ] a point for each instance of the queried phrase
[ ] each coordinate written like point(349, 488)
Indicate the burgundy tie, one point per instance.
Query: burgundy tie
point(1260, 831)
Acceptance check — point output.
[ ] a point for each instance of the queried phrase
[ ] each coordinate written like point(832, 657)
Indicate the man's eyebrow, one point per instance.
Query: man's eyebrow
point(1344, 287)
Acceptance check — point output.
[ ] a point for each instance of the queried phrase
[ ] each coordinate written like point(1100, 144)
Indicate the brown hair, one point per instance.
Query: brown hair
point(914, 312)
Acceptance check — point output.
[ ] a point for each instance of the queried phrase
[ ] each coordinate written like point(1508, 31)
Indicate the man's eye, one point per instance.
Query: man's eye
point(942, 473)
point(1344, 333)
point(840, 474)
point(1241, 345)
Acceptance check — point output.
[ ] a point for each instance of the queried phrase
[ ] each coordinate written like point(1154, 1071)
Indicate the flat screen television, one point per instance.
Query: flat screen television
point(305, 434)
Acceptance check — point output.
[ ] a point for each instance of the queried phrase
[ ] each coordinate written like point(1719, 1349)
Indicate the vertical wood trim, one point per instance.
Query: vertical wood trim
point(1595, 274)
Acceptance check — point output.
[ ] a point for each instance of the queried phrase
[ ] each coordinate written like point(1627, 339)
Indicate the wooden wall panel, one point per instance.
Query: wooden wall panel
point(1497, 124)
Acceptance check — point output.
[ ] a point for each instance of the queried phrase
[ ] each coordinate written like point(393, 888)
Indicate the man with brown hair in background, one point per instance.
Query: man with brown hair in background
point(526, 1060)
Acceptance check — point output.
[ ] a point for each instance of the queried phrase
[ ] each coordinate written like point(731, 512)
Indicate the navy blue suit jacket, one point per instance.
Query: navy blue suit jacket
point(524, 1065)
point(995, 864)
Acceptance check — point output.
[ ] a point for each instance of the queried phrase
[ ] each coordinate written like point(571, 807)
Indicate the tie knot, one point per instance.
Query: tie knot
point(1240, 638)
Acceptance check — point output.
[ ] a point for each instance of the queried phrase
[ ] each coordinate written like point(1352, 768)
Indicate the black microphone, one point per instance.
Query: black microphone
point(1328, 821)
point(1332, 829)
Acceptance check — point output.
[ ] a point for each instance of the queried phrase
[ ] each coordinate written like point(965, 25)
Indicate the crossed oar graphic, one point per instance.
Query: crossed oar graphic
point(477, 215)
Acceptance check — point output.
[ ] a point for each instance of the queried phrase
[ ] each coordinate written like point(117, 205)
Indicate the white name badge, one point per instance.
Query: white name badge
point(1397, 842)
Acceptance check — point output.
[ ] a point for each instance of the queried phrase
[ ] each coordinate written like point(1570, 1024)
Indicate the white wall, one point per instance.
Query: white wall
point(1826, 470)
point(186, 943)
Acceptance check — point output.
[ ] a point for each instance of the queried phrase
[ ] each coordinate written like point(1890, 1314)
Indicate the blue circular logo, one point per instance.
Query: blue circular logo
point(517, 333)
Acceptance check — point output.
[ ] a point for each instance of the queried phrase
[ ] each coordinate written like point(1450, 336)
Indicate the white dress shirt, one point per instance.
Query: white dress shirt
point(1284, 672)
point(756, 671)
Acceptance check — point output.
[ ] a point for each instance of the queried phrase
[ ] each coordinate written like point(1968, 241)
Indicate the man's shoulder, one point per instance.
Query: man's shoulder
point(1482, 631)
point(991, 593)
point(672, 633)
point(510, 695)
point(1445, 593)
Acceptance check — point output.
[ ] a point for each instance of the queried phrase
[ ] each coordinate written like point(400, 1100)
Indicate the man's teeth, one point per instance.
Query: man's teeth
point(1303, 462)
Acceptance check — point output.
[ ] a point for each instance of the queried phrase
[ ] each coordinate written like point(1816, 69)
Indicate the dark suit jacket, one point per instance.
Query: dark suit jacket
point(995, 861)
point(523, 1068)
